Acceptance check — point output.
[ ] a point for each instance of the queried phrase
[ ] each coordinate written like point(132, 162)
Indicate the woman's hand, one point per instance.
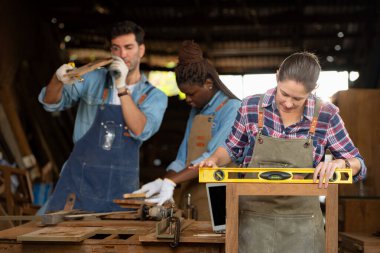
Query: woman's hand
point(208, 162)
point(219, 157)
point(326, 170)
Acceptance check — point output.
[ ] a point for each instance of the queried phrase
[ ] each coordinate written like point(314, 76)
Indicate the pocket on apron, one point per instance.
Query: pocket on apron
point(110, 136)
point(256, 232)
point(295, 233)
point(266, 233)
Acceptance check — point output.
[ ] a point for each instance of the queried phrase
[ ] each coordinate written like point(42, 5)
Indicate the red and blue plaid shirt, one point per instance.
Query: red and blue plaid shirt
point(330, 131)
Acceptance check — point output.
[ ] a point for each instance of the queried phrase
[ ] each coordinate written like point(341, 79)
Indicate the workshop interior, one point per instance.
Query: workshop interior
point(246, 41)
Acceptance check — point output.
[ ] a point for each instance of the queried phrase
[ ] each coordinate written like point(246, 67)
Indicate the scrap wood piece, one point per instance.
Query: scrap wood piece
point(59, 234)
point(134, 195)
point(57, 217)
point(128, 215)
point(130, 206)
point(76, 73)
point(94, 215)
point(132, 202)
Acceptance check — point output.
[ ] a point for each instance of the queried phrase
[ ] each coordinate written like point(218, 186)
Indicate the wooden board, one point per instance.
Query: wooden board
point(59, 234)
point(359, 215)
point(132, 202)
point(88, 67)
point(134, 195)
point(358, 108)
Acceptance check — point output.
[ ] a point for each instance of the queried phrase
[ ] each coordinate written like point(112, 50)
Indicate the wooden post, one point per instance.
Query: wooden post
point(234, 190)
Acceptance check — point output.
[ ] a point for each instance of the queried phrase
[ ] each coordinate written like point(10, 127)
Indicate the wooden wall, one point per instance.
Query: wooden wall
point(360, 110)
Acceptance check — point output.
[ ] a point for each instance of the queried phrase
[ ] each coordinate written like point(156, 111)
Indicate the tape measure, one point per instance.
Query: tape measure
point(268, 175)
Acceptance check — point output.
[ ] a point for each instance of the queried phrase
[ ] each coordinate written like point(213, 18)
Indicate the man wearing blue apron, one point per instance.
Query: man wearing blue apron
point(118, 110)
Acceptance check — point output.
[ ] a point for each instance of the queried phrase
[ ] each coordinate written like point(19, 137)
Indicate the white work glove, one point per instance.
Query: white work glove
point(166, 193)
point(150, 188)
point(119, 71)
point(61, 71)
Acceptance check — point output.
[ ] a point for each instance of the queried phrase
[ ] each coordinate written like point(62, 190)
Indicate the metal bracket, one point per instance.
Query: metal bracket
point(169, 228)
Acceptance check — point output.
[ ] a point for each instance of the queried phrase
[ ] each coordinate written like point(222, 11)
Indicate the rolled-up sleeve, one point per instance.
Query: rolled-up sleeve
point(238, 137)
point(153, 107)
point(341, 145)
point(68, 99)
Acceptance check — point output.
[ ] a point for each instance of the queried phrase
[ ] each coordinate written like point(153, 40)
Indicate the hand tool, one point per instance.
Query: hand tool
point(268, 175)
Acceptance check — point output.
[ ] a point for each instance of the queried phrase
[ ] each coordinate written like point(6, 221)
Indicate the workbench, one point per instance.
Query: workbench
point(108, 236)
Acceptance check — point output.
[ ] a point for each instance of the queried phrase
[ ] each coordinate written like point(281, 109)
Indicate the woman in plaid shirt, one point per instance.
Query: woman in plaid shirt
point(288, 126)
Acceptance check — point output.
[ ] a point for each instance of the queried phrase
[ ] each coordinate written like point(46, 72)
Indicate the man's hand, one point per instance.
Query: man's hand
point(61, 71)
point(119, 71)
point(151, 188)
point(166, 193)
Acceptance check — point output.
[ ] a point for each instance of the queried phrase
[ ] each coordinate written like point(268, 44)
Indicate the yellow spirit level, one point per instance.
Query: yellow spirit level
point(269, 175)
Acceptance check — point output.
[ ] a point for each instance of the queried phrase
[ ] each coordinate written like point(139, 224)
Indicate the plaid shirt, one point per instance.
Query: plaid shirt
point(330, 131)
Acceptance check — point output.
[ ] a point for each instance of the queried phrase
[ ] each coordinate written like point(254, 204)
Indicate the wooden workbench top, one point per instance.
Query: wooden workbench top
point(108, 236)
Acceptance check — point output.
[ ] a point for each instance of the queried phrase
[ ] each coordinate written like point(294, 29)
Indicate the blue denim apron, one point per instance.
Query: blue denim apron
point(103, 165)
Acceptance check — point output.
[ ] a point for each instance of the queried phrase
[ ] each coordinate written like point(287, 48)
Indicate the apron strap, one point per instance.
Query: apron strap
point(314, 121)
point(221, 105)
point(106, 90)
point(260, 118)
point(143, 96)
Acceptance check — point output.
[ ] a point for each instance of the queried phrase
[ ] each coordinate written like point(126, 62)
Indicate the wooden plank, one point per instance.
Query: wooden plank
point(128, 215)
point(88, 67)
point(59, 234)
point(12, 233)
point(132, 202)
point(83, 215)
point(134, 195)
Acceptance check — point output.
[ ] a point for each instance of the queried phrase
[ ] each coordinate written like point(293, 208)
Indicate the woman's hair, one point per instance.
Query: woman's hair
point(302, 67)
point(192, 68)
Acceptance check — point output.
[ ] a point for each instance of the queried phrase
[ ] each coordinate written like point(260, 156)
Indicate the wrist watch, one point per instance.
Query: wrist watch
point(123, 93)
point(347, 163)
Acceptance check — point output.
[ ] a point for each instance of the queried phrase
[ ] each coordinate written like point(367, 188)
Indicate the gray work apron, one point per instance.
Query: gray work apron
point(274, 224)
point(199, 137)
